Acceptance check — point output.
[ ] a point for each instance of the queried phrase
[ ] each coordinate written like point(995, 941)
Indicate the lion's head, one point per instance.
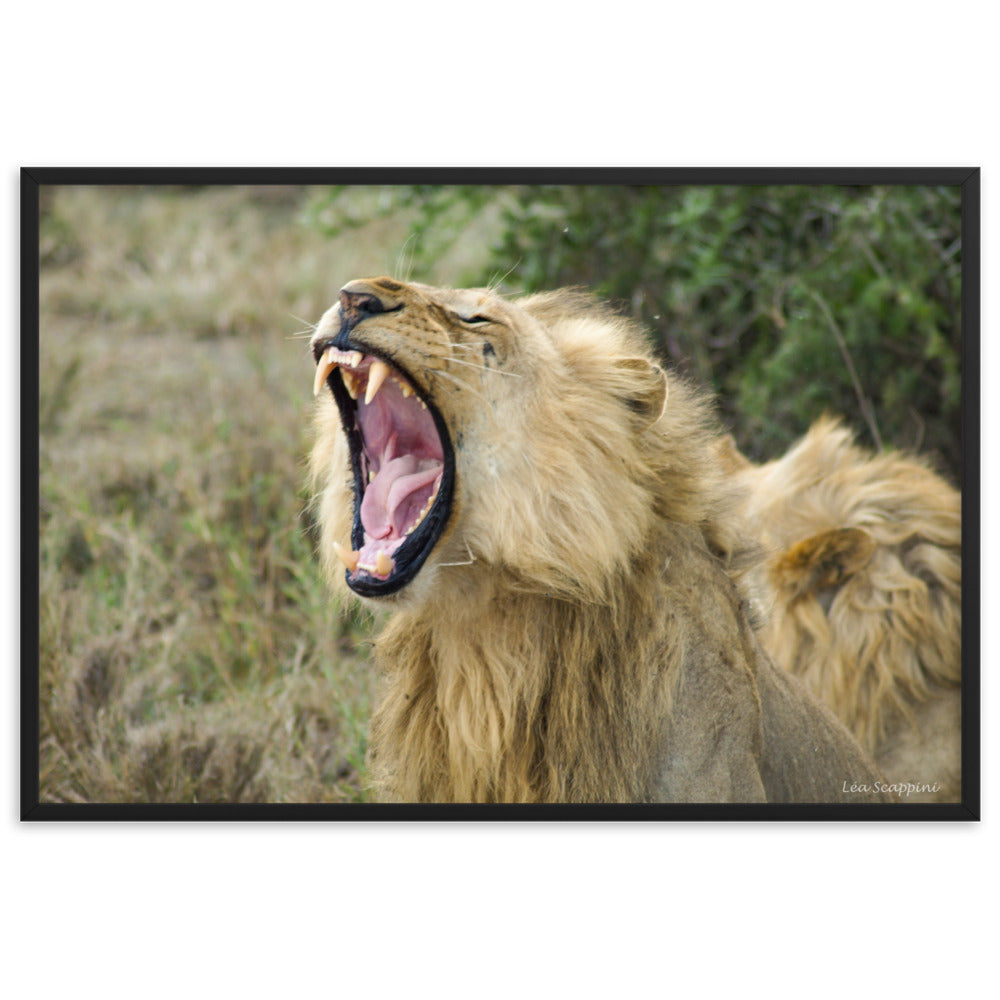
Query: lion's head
point(438, 392)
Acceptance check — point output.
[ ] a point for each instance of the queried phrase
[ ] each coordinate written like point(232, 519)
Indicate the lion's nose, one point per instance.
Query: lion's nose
point(356, 305)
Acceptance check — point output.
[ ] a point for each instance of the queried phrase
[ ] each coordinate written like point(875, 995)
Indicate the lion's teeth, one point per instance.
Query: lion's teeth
point(406, 389)
point(323, 369)
point(422, 514)
point(347, 557)
point(356, 358)
point(383, 566)
point(376, 376)
point(350, 383)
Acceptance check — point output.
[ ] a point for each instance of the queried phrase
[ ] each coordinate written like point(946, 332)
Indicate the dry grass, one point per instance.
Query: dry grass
point(189, 651)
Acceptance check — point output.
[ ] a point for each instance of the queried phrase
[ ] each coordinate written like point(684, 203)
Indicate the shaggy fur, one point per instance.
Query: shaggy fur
point(864, 587)
point(575, 634)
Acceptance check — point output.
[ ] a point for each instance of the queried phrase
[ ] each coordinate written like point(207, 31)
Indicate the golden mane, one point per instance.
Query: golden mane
point(864, 589)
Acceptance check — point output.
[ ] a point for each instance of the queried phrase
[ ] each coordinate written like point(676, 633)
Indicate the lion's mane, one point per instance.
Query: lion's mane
point(862, 583)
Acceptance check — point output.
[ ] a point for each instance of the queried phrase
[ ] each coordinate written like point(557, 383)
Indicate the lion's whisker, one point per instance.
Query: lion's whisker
point(310, 328)
point(495, 282)
point(468, 562)
point(483, 368)
point(404, 259)
point(461, 383)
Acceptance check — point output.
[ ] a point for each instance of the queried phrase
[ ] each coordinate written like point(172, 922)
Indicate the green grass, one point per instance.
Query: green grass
point(189, 649)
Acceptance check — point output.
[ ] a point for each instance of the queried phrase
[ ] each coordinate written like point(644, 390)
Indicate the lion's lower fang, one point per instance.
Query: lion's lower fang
point(346, 556)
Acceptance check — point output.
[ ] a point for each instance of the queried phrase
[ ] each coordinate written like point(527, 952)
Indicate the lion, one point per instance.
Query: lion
point(863, 585)
point(539, 507)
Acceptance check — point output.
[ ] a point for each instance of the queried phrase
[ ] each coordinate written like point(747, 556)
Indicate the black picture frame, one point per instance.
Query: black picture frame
point(33, 179)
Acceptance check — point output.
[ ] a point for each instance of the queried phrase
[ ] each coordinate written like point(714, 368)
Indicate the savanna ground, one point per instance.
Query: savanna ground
point(189, 649)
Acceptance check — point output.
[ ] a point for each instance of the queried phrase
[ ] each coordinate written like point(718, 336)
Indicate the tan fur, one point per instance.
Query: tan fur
point(864, 588)
point(574, 635)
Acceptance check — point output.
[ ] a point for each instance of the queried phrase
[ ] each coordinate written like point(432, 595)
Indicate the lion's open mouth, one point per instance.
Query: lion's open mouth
point(403, 468)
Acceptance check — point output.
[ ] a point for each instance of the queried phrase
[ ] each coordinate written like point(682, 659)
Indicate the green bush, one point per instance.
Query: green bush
point(788, 301)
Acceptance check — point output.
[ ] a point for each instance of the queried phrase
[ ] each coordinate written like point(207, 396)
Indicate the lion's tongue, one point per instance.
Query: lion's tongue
point(395, 497)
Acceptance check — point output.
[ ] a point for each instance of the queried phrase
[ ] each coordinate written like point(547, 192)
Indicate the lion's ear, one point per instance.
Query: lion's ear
point(824, 560)
point(646, 388)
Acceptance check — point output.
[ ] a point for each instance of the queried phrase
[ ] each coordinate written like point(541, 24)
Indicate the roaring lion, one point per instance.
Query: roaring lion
point(863, 581)
point(543, 511)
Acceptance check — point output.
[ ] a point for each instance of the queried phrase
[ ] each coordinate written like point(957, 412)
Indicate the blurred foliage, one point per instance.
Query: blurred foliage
point(788, 301)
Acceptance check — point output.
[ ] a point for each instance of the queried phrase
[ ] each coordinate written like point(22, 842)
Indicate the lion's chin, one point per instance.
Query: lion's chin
point(403, 466)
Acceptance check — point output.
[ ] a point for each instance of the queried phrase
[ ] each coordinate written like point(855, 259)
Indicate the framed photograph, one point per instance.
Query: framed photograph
point(515, 494)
